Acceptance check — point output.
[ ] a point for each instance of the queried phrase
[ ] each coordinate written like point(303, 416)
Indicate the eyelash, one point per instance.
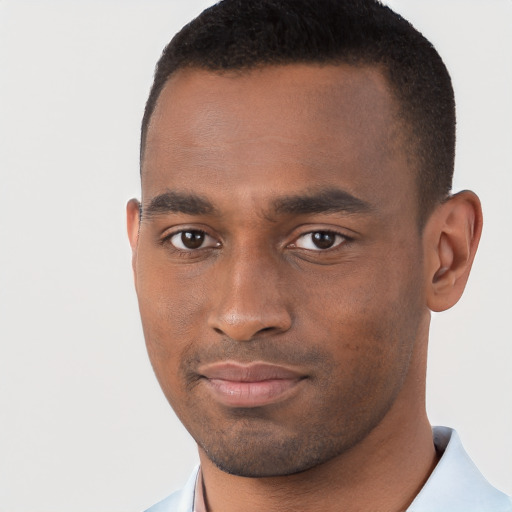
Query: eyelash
point(168, 240)
point(339, 239)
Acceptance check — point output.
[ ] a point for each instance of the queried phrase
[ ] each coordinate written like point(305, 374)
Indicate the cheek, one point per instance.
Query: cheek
point(368, 328)
point(172, 311)
point(370, 313)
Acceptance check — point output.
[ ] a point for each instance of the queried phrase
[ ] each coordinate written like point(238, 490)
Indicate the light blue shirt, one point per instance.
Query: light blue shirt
point(455, 485)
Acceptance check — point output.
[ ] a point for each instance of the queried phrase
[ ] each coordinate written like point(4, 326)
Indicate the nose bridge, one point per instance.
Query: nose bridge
point(250, 300)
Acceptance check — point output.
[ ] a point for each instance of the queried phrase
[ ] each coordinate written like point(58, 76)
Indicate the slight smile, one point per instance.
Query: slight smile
point(238, 385)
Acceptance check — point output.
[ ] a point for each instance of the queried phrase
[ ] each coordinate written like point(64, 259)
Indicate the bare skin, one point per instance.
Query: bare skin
point(285, 288)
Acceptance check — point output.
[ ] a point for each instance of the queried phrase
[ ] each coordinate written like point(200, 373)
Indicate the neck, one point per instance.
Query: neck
point(384, 472)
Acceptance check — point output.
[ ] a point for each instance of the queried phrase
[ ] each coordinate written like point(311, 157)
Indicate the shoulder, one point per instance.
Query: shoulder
point(456, 484)
point(179, 501)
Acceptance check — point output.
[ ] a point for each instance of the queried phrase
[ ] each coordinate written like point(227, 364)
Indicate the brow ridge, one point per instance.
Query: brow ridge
point(178, 202)
point(330, 200)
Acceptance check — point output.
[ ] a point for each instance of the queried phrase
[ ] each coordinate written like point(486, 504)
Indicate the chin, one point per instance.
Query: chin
point(267, 453)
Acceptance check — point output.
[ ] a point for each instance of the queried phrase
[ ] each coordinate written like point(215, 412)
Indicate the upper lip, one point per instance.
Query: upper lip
point(254, 372)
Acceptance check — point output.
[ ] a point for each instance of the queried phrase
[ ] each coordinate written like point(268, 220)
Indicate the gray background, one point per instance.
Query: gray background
point(83, 424)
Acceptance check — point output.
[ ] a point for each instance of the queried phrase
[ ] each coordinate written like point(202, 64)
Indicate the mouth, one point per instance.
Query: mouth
point(238, 385)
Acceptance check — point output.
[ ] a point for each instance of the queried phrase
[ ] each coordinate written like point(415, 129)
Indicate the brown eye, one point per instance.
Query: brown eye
point(319, 240)
point(192, 239)
point(323, 240)
point(189, 240)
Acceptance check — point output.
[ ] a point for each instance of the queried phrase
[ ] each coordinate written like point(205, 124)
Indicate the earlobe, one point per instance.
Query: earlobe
point(451, 239)
point(133, 222)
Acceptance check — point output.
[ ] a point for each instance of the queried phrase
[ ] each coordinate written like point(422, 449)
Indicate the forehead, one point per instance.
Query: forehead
point(278, 128)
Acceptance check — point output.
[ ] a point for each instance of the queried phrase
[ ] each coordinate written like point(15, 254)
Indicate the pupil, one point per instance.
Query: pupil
point(324, 240)
point(192, 239)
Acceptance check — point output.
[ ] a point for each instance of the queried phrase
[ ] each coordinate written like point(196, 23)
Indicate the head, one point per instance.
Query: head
point(296, 227)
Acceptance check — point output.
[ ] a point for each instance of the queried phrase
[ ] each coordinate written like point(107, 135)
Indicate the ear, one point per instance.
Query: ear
point(451, 239)
point(133, 223)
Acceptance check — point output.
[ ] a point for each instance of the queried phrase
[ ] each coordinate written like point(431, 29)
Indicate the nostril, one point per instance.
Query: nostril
point(265, 329)
point(248, 320)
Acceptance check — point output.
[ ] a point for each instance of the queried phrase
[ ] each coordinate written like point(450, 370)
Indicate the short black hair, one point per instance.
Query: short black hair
point(246, 34)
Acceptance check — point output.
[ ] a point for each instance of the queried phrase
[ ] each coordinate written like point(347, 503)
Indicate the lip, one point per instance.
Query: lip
point(254, 385)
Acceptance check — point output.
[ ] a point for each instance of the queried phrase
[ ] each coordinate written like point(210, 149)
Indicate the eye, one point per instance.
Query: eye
point(319, 240)
point(192, 239)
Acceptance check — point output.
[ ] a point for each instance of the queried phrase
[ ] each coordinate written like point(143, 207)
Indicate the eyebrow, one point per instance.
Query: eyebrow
point(331, 200)
point(178, 202)
point(325, 201)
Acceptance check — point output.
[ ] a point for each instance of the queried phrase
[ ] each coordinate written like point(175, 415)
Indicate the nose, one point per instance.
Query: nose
point(249, 301)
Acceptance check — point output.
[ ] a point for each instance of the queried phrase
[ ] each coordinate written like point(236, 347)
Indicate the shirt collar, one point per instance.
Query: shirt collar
point(199, 503)
point(456, 485)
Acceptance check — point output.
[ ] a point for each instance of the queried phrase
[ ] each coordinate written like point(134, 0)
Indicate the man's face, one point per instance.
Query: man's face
point(279, 263)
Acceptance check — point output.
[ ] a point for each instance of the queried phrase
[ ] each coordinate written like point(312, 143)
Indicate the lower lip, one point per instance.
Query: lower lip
point(252, 394)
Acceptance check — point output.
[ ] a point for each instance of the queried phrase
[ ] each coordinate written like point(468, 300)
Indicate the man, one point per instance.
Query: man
point(296, 228)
